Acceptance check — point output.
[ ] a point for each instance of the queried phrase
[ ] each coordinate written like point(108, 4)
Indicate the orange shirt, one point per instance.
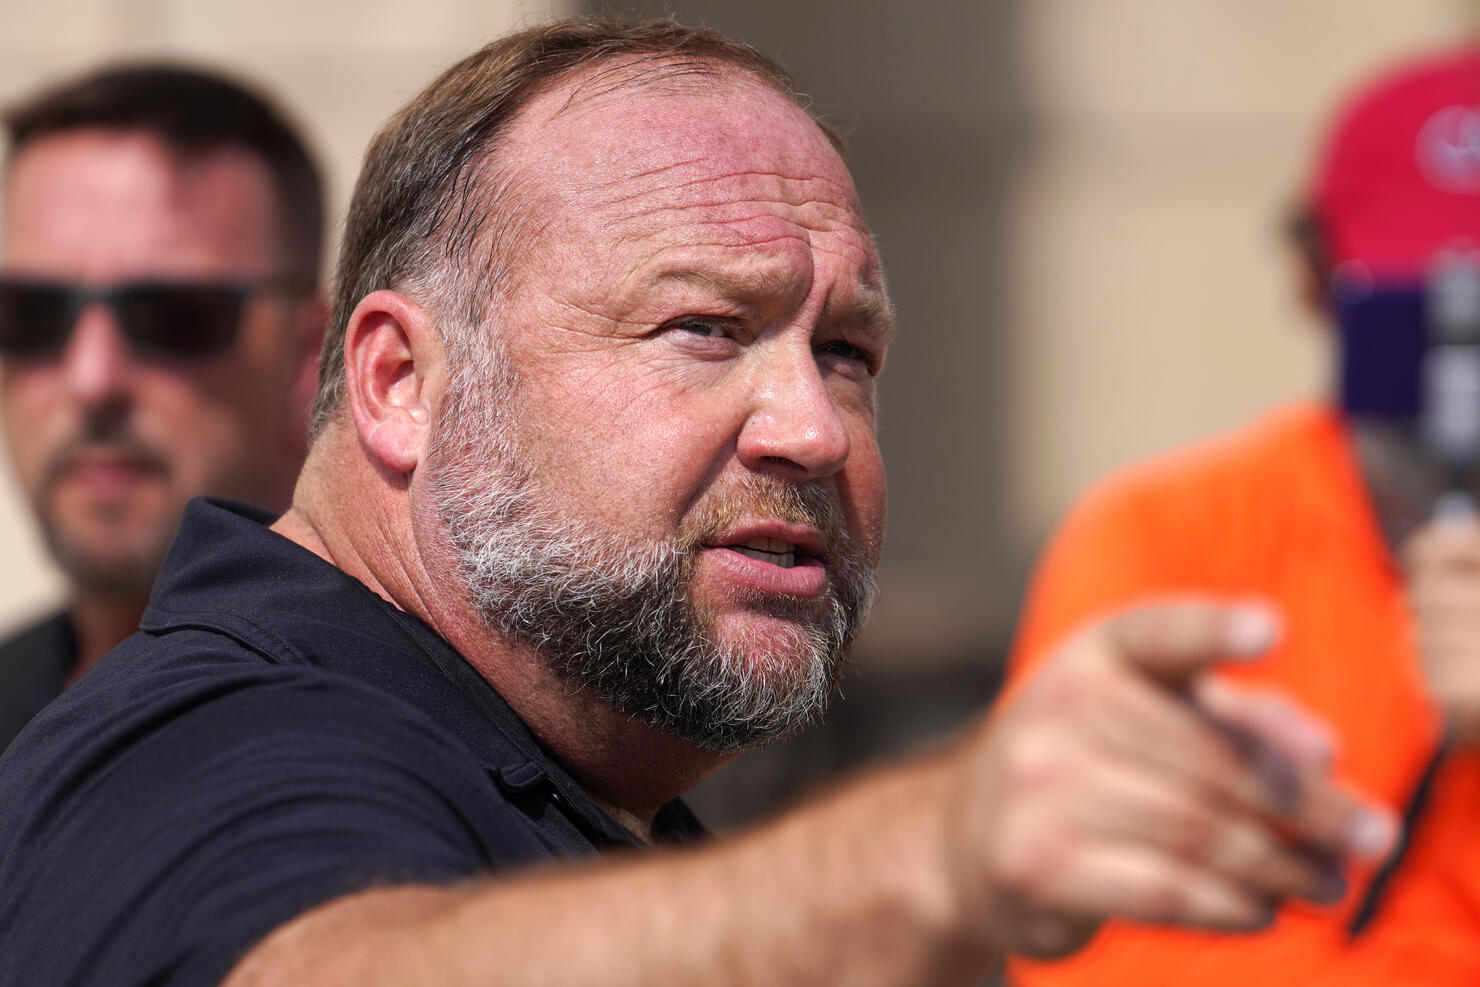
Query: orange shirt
point(1278, 511)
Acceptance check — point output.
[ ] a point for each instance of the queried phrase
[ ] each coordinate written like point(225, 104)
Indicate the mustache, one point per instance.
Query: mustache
point(109, 436)
point(761, 495)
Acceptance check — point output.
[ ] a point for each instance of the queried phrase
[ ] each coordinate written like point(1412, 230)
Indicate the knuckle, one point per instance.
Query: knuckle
point(1164, 624)
point(1029, 857)
point(1164, 898)
point(1033, 763)
point(1060, 689)
point(1193, 835)
point(1231, 780)
point(1247, 855)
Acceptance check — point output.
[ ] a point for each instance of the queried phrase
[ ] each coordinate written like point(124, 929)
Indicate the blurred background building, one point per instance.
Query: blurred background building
point(1078, 203)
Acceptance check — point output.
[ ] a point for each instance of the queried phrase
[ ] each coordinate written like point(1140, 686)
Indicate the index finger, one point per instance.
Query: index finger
point(1289, 777)
point(1173, 640)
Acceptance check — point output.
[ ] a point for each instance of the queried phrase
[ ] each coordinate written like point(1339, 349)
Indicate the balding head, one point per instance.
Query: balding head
point(432, 213)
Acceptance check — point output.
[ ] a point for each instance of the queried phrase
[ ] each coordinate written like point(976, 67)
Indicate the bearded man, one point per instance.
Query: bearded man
point(592, 504)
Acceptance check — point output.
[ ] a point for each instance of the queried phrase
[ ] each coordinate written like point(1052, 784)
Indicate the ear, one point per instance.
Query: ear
point(1312, 258)
point(393, 364)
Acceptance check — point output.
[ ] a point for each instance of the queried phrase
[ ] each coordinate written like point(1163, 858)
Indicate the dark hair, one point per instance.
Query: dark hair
point(192, 111)
point(1306, 235)
point(423, 216)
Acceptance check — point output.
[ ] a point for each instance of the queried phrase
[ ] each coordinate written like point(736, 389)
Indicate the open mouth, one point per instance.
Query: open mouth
point(772, 550)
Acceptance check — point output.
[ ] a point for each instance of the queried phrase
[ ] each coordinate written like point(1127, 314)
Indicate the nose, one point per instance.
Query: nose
point(96, 358)
point(794, 427)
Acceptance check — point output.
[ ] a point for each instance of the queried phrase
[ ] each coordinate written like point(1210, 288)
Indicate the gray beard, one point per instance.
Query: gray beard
point(616, 616)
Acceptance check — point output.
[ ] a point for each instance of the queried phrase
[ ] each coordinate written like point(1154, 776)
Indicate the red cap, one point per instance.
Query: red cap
point(1398, 176)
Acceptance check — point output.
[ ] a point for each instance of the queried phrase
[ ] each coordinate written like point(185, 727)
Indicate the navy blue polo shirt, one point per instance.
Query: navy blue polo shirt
point(275, 737)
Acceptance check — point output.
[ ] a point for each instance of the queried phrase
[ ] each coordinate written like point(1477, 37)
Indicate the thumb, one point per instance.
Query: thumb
point(1172, 640)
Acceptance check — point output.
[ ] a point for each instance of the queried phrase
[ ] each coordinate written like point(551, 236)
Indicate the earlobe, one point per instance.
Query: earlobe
point(391, 355)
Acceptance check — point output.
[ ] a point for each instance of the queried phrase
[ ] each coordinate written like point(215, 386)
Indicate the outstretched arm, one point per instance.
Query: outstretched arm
point(1120, 781)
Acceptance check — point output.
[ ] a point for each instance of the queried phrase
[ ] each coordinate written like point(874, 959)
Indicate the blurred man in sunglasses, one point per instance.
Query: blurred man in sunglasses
point(1356, 516)
point(159, 324)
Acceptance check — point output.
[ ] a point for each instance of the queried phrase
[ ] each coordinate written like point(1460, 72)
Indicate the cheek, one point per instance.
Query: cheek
point(864, 491)
point(33, 423)
point(179, 411)
point(634, 453)
point(211, 424)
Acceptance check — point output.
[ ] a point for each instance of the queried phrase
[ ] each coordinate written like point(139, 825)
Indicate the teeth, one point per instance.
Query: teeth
point(784, 555)
point(774, 545)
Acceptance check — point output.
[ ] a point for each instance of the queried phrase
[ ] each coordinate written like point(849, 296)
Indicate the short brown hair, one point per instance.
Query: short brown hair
point(191, 111)
point(418, 218)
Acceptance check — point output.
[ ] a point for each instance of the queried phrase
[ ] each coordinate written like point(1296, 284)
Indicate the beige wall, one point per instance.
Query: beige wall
point(341, 67)
point(1152, 299)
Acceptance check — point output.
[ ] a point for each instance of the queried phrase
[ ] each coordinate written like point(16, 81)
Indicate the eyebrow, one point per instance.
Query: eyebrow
point(868, 305)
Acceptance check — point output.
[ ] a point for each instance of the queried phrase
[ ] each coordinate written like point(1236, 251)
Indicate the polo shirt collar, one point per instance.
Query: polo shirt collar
point(229, 573)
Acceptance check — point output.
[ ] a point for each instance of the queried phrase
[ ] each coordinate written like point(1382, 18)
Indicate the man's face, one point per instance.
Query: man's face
point(109, 443)
point(686, 461)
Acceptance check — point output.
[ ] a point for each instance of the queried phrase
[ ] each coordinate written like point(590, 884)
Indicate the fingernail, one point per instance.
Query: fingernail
point(1369, 834)
point(1248, 630)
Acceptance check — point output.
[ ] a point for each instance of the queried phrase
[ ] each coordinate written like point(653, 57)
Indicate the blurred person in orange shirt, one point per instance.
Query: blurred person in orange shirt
point(1335, 512)
point(160, 319)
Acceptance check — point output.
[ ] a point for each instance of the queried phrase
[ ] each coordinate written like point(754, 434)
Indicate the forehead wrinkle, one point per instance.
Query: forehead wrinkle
point(804, 204)
point(650, 193)
point(866, 305)
point(755, 260)
point(638, 217)
point(738, 221)
point(651, 272)
point(547, 160)
point(846, 195)
point(755, 257)
point(808, 217)
point(758, 232)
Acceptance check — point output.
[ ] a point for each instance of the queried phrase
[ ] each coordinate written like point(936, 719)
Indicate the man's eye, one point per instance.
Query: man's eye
point(702, 327)
point(847, 351)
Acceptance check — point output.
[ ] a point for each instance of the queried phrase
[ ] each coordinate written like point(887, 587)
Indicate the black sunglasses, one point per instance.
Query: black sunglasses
point(160, 318)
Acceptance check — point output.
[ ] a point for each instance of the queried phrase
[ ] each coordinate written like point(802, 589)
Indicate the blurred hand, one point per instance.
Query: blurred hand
point(1442, 560)
point(1124, 781)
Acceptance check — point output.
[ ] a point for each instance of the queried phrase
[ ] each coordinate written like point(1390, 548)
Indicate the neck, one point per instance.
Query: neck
point(631, 768)
point(99, 622)
point(362, 520)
